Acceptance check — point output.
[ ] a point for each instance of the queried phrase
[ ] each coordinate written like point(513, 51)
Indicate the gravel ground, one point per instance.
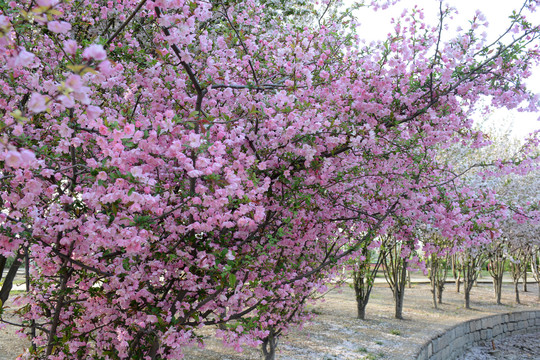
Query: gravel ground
point(518, 347)
point(336, 334)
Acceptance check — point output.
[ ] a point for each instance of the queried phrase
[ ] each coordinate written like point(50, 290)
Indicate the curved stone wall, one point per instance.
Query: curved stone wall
point(456, 340)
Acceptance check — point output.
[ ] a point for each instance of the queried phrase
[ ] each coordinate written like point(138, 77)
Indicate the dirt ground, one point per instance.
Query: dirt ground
point(336, 334)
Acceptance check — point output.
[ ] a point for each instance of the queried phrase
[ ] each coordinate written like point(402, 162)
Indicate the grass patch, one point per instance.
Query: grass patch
point(395, 332)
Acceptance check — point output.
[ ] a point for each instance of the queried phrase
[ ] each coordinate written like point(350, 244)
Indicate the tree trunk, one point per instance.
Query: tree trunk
point(440, 289)
point(467, 297)
point(8, 281)
point(516, 289)
point(433, 279)
point(2, 265)
point(434, 293)
point(458, 282)
point(400, 291)
point(525, 280)
point(361, 308)
point(497, 287)
point(269, 346)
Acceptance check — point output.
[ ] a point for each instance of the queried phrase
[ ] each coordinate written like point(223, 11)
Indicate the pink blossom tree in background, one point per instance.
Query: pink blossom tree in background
point(174, 165)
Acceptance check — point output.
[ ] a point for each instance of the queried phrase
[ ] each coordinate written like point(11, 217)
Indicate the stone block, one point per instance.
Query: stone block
point(446, 353)
point(497, 330)
point(483, 334)
point(436, 347)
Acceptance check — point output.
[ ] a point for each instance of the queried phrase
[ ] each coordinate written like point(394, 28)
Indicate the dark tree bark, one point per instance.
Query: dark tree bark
point(3, 260)
point(8, 281)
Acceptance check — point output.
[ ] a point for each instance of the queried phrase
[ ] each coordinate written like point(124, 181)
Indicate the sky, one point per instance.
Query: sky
point(375, 26)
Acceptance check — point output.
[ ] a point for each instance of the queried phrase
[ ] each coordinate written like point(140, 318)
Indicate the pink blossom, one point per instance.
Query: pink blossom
point(59, 27)
point(13, 159)
point(47, 2)
point(4, 21)
point(94, 52)
point(67, 101)
point(74, 82)
point(194, 140)
point(37, 103)
point(28, 157)
point(24, 58)
point(70, 46)
point(92, 112)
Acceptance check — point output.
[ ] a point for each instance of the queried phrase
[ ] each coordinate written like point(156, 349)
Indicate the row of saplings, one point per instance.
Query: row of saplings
point(465, 266)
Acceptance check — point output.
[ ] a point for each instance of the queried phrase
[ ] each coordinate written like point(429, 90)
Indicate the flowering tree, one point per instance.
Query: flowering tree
point(171, 165)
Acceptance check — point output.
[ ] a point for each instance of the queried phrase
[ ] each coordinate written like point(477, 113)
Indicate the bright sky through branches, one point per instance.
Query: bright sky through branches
point(376, 26)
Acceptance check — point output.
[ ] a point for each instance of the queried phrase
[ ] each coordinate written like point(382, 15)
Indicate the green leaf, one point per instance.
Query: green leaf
point(232, 280)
